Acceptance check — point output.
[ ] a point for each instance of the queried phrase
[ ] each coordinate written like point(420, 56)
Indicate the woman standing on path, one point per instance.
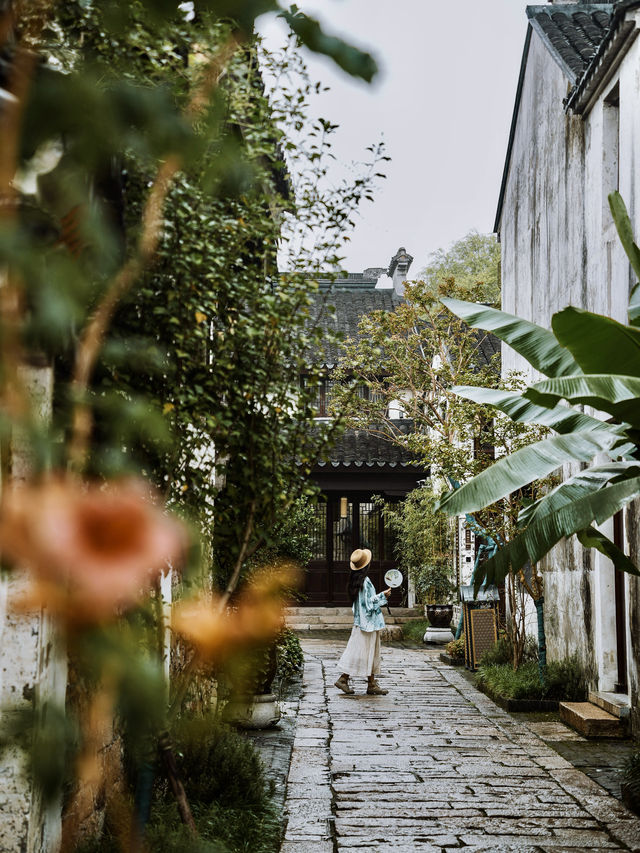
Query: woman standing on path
point(361, 658)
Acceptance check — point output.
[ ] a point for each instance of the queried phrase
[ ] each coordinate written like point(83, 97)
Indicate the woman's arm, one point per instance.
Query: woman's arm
point(372, 601)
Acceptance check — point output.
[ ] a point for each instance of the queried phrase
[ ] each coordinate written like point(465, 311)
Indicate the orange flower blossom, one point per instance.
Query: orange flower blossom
point(90, 548)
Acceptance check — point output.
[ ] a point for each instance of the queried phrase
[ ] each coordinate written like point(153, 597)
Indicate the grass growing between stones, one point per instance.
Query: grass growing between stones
point(413, 632)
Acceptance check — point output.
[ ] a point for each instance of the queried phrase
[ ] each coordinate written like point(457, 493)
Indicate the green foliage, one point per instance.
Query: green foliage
point(625, 232)
point(424, 545)
point(209, 341)
point(164, 836)
point(564, 680)
point(455, 648)
point(289, 536)
point(152, 192)
point(217, 765)
point(290, 656)
point(414, 630)
point(631, 782)
point(474, 263)
point(229, 795)
point(502, 652)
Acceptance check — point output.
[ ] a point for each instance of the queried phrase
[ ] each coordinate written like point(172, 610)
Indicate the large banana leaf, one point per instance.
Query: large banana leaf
point(593, 538)
point(514, 554)
point(534, 343)
point(598, 343)
point(525, 465)
point(520, 408)
point(571, 508)
point(581, 484)
point(608, 392)
point(625, 232)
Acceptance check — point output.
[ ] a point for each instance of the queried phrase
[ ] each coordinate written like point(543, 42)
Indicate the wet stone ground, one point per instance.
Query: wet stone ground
point(436, 766)
point(275, 744)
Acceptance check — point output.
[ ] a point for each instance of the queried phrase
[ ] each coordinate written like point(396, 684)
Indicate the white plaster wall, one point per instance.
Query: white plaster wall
point(559, 248)
point(542, 233)
point(32, 670)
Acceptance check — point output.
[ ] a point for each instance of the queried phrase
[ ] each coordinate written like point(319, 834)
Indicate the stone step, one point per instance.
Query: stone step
point(616, 704)
point(331, 625)
point(327, 611)
point(591, 720)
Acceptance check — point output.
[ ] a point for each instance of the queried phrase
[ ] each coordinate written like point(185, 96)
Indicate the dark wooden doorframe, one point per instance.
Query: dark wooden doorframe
point(621, 608)
point(336, 571)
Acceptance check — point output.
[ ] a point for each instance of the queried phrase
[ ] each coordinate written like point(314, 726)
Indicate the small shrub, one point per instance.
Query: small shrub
point(566, 679)
point(218, 765)
point(503, 680)
point(222, 830)
point(455, 649)
point(502, 652)
point(630, 784)
point(290, 656)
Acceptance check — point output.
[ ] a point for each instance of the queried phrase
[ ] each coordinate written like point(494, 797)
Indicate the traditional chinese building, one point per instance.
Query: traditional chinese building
point(363, 471)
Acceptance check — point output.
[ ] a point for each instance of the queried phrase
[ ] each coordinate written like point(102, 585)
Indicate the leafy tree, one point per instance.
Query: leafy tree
point(143, 194)
point(474, 263)
point(424, 545)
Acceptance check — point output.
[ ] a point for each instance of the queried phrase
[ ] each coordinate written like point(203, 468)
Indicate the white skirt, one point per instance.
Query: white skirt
point(361, 658)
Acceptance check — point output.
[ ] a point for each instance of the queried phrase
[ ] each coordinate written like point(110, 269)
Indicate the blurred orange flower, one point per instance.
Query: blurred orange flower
point(90, 548)
point(256, 617)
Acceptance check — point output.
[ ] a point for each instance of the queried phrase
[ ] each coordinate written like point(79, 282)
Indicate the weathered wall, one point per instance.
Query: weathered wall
point(543, 267)
point(32, 671)
point(559, 248)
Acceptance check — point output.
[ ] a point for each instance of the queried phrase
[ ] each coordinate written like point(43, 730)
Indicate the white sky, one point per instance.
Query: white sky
point(442, 103)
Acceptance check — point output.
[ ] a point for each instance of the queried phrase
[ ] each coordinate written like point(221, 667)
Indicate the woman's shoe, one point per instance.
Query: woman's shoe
point(343, 684)
point(374, 689)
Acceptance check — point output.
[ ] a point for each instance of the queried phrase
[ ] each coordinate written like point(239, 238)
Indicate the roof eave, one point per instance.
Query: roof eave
point(512, 132)
point(605, 63)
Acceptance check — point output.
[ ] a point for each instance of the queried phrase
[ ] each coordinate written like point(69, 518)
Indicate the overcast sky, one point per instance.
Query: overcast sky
point(442, 103)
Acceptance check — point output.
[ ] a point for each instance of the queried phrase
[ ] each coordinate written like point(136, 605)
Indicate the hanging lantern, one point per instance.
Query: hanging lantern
point(344, 507)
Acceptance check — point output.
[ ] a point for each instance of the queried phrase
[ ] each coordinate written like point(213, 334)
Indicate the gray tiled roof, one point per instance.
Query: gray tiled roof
point(361, 449)
point(572, 32)
point(339, 309)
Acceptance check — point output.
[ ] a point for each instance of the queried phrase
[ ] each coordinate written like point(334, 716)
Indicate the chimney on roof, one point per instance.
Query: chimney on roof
point(399, 269)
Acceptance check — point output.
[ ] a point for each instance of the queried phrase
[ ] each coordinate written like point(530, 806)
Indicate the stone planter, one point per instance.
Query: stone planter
point(253, 712)
point(439, 630)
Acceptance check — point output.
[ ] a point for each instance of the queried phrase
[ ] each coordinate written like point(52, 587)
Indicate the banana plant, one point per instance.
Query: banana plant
point(576, 357)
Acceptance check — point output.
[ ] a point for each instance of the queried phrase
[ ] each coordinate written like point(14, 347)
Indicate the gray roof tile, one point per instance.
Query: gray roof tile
point(340, 309)
point(572, 32)
point(362, 449)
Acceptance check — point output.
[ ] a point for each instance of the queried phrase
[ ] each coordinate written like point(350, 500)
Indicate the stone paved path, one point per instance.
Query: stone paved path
point(433, 766)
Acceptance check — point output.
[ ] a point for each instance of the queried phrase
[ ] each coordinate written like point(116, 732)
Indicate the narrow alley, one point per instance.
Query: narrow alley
point(433, 766)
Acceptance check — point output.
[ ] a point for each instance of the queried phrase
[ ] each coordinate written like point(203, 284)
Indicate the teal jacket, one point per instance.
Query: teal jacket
point(367, 613)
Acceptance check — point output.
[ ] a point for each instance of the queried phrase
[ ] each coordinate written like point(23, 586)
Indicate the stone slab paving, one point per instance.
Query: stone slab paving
point(433, 766)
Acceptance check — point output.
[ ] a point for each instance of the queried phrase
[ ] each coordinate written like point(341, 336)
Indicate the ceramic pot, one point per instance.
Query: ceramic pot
point(439, 615)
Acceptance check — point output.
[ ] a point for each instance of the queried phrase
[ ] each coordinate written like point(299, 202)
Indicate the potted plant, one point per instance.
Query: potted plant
point(434, 585)
point(251, 703)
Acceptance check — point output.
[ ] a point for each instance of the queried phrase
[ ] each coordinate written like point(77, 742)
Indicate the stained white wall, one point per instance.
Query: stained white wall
point(33, 669)
point(559, 248)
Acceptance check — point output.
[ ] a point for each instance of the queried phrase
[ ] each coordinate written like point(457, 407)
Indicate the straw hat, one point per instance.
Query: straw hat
point(360, 559)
